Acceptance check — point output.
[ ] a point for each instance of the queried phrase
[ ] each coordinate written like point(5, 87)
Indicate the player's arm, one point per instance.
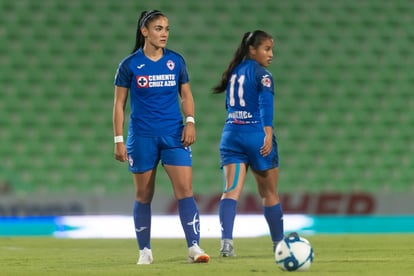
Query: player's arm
point(268, 141)
point(120, 98)
point(187, 103)
point(266, 115)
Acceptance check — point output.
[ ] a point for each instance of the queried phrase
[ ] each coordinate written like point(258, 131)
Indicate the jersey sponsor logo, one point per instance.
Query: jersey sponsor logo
point(240, 115)
point(266, 81)
point(162, 80)
point(142, 81)
point(170, 64)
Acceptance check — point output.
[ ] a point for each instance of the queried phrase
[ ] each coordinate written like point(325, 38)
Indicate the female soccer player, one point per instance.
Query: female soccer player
point(157, 80)
point(247, 138)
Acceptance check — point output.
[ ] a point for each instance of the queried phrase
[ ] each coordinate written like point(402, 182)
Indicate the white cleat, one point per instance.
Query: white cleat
point(197, 255)
point(145, 257)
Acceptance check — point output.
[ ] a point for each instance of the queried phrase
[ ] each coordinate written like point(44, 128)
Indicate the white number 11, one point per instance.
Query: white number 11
point(240, 91)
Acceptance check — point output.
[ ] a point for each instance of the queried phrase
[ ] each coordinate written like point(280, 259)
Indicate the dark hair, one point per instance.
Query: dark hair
point(253, 39)
point(145, 18)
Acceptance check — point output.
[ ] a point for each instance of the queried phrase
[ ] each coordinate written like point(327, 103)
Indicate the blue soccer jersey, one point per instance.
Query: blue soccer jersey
point(249, 97)
point(154, 90)
point(249, 104)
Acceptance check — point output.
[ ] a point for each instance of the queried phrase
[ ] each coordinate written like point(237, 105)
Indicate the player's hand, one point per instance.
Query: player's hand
point(188, 136)
point(266, 149)
point(120, 152)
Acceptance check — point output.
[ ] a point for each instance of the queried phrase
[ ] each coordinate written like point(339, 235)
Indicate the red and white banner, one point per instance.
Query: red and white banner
point(292, 203)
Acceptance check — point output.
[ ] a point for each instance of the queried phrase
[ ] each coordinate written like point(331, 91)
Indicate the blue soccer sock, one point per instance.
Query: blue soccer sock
point(190, 220)
point(227, 215)
point(142, 222)
point(274, 218)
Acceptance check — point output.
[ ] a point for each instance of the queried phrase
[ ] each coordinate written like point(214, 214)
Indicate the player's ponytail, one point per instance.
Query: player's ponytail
point(238, 57)
point(249, 39)
point(144, 19)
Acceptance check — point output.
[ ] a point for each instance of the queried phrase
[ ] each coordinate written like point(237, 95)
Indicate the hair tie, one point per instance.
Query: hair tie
point(147, 16)
point(249, 37)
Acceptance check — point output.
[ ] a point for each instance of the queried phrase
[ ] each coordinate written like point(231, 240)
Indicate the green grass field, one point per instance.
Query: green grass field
point(334, 254)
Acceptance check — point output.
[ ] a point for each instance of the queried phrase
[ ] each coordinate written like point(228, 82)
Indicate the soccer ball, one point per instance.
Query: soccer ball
point(294, 253)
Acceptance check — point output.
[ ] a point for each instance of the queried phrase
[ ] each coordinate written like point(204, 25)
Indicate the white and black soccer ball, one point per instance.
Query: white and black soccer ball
point(294, 253)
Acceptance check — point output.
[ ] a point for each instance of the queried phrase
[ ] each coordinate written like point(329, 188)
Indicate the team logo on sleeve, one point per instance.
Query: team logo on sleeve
point(170, 64)
point(142, 81)
point(266, 81)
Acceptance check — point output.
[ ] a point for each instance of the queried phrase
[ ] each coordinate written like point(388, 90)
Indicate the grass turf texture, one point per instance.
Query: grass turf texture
point(334, 254)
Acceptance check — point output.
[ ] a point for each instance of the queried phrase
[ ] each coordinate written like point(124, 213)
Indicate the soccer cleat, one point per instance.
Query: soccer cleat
point(275, 243)
point(197, 255)
point(293, 235)
point(145, 257)
point(227, 249)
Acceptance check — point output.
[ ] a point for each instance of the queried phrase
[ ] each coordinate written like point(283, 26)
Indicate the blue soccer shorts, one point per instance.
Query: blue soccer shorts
point(244, 147)
point(144, 153)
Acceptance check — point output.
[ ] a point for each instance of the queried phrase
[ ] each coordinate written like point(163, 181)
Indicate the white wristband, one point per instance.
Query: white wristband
point(119, 139)
point(189, 119)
